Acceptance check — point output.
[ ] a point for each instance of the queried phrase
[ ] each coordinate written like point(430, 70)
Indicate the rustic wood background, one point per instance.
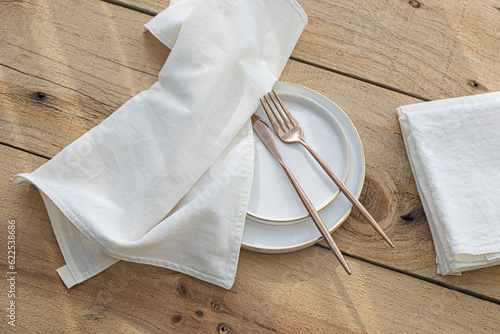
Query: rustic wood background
point(67, 65)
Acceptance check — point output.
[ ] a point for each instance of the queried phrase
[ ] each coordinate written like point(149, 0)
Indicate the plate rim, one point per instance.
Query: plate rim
point(278, 250)
point(337, 193)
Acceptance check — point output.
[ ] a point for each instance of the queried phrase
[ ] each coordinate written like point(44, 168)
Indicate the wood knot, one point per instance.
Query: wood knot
point(199, 313)
point(414, 3)
point(408, 217)
point(374, 199)
point(476, 85)
point(182, 290)
point(223, 329)
point(412, 217)
point(176, 318)
point(39, 96)
point(216, 306)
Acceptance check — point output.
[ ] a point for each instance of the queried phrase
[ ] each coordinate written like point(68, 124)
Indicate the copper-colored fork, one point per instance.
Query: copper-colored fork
point(290, 131)
point(264, 133)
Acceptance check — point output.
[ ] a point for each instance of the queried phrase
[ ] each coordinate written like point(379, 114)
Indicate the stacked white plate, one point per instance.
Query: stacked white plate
point(277, 222)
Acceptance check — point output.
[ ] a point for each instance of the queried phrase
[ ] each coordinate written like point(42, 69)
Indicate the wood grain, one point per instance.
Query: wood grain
point(301, 292)
point(85, 55)
point(432, 49)
point(53, 95)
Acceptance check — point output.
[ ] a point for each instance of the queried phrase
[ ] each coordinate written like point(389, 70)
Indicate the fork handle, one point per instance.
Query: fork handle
point(315, 217)
point(350, 196)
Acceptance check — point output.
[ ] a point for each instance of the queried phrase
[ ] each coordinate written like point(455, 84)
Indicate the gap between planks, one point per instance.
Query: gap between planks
point(131, 7)
point(349, 75)
point(420, 277)
point(24, 150)
point(356, 77)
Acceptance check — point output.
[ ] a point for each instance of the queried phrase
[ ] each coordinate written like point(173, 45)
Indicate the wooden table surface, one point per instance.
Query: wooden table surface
point(67, 65)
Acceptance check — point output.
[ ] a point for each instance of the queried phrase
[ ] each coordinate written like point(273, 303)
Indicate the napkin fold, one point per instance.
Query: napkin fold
point(453, 146)
point(165, 180)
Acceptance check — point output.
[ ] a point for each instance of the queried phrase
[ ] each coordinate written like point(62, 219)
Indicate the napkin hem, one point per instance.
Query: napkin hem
point(446, 102)
point(457, 270)
point(145, 260)
point(444, 267)
point(244, 202)
point(66, 276)
point(79, 276)
point(424, 200)
point(158, 35)
point(299, 10)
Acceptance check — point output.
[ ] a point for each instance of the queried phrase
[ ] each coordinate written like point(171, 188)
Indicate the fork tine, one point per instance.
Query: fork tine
point(276, 116)
point(288, 114)
point(276, 128)
point(282, 116)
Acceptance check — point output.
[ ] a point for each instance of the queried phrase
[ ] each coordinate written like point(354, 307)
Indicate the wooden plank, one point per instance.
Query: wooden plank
point(70, 108)
point(85, 55)
point(301, 292)
point(433, 49)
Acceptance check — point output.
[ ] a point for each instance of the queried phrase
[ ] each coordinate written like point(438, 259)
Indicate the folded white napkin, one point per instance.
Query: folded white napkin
point(165, 180)
point(454, 150)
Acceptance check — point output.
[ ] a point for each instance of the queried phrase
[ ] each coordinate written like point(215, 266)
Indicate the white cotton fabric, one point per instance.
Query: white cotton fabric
point(165, 180)
point(454, 150)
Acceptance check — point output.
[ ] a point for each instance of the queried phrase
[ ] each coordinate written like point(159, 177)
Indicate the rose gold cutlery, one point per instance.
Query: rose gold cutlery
point(265, 134)
point(290, 131)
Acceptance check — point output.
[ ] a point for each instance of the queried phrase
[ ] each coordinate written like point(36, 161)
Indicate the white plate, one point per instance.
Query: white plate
point(277, 237)
point(273, 199)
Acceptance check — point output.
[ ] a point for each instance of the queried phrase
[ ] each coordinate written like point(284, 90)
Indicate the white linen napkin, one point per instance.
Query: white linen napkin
point(454, 150)
point(165, 180)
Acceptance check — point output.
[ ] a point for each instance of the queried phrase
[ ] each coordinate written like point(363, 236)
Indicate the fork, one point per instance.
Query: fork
point(290, 131)
point(265, 134)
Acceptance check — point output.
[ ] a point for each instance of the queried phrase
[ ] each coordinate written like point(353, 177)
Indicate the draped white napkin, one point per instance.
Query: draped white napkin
point(454, 150)
point(165, 180)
